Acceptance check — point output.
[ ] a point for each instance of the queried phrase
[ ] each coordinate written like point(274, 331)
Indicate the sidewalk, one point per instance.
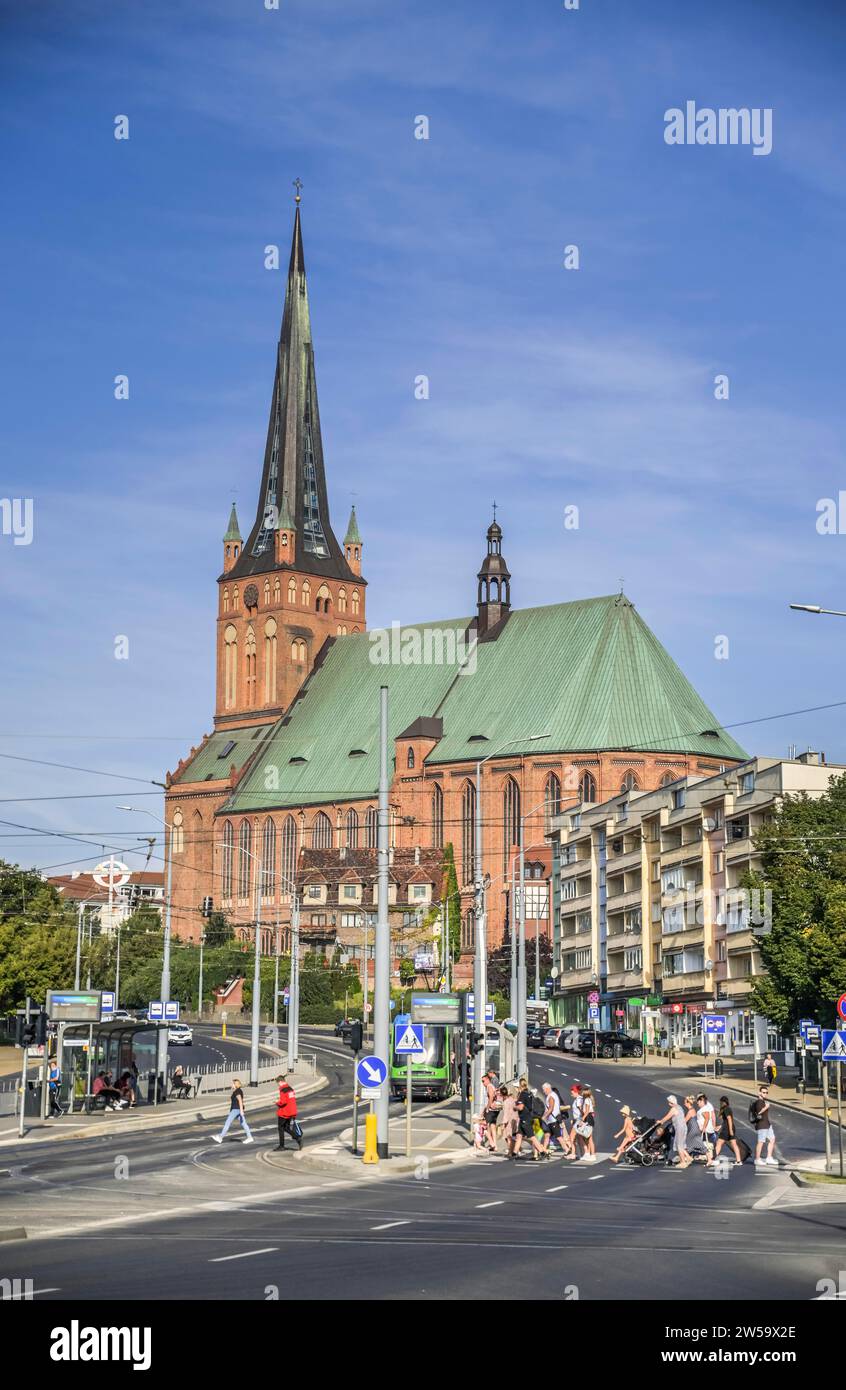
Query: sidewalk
point(150, 1117)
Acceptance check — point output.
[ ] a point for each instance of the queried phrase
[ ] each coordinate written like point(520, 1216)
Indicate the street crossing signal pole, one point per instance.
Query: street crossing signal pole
point(294, 985)
point(382, 962)
point(522, 984)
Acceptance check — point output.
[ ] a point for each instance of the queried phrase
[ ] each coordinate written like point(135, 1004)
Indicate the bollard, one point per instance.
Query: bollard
point(371, 1150)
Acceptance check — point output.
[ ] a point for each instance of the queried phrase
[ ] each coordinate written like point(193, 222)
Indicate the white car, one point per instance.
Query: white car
point(180, 1033)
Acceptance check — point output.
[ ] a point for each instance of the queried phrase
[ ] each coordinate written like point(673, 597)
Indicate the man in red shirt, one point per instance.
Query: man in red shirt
point(286, 1115)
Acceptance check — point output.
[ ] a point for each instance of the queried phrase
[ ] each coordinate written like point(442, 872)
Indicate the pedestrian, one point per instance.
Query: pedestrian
point(759, 1115)
point(286, 1115)
point(589, 1119)
point(576, 1135)
point(727, 1134)
point(675, 1117)
point(491, 1108)
point(662, 1038)
point(695, 1142)
point(236, 1112)
point(626, 1135)
point(770, 1070)
point(707, 1120)
point(550, 1120)
point(508, 1118)
point(525, 1120)
point(54, 1081)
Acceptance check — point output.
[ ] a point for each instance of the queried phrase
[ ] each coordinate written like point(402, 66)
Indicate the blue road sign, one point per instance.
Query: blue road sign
point(593, 1012)
point(171, 1010)
point(804, 1025)
point(371, 1071)
point(408, 1039)
point(107, 1006)
point(155, 1010)
point(490, 1011)
point(713, 1023)
point(834, 1045)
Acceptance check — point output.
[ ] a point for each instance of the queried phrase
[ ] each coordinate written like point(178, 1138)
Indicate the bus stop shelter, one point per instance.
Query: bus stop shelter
point(115, 1046)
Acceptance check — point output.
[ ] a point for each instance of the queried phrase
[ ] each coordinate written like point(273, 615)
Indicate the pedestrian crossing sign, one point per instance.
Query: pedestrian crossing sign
point(833, 1045)
point(408, 1039)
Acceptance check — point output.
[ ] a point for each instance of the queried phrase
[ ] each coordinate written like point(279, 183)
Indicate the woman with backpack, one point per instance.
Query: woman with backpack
point(727, 1134)
point(526, 1104)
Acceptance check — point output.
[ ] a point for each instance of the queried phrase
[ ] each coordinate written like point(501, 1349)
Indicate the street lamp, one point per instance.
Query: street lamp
point(480, 963)
point(815, 608)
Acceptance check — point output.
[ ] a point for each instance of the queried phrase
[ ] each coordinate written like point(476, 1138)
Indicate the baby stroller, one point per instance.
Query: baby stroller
point(650, 1146)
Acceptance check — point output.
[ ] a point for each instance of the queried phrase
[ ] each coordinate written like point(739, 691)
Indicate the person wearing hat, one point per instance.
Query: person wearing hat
point(627, 1134)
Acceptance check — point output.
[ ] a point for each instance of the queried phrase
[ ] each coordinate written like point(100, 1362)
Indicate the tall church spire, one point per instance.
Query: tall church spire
point(293, 472)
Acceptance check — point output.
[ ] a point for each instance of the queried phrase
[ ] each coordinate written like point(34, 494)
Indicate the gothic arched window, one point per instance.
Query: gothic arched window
point(587, 787)
point(510, 819)
point(355, 601)
point(352, 829)
point(468, 832)
point(409, 761)
point(437, 806)
point(667, 779)
point(228, 841)
point(306, 593)
point(629, 782)
point(226, 600)
point(292, 591)
point(270, 661)
point(321, 603)
point(230, 667)
point(342, 600)
point(177, 833)
point(289, 854)
point(321, 832)
point(553, 795)
point(250, 665)
point(268, 860)
point(245, 845)
point(371, 825)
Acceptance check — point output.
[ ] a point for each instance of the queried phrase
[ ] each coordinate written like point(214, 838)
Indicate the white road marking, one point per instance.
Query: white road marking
point(388, 1224)
point(562, 1188)
point(245, 1255)
point(597, 1177)
point(481, 1205)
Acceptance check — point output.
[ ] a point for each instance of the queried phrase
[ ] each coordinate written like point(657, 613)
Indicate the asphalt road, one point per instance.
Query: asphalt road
point(197, 1220)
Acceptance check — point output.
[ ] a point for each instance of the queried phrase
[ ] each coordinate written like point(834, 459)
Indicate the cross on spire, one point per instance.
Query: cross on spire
point(298, 183)
point(494, 509)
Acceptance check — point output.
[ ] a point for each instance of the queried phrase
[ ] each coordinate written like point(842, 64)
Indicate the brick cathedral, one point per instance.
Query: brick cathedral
point(563, 704)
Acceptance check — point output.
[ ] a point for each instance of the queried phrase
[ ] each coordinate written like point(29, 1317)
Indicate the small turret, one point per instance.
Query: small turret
point(352, 545)
point(232, 541)
point(494, 593)
point(286, 535)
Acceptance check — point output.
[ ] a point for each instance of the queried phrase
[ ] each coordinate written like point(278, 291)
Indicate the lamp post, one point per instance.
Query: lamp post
point(815, 608)
point(480, 962)
point(161, 1034)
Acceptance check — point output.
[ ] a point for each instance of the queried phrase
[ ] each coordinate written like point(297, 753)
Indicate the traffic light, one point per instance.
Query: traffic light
point(207, 908)
point(475, 1043)
point(31, 1032)
point(355, 1037)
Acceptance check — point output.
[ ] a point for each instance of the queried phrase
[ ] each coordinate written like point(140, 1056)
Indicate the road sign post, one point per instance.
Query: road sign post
point(408, 1043)
point(833, 1050)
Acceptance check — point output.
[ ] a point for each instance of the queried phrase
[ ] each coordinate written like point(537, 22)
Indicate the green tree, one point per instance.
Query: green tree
point(453, 901)
point(803, 849)
point(499, 964)
point(37, 937)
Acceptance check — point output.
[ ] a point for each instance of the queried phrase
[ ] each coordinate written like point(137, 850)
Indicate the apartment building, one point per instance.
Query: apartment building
point(650, 907)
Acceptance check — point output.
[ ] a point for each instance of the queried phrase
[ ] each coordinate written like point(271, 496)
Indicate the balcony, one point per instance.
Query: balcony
point(740, 939)
point(736, 989)
point(625, 979)
point(620, 936)
point(575, 979)
point(630, 898)
point(685, 982)
point(627, 859)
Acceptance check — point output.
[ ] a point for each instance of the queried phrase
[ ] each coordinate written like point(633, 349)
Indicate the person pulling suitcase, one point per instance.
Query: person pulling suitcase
point(286, 1115)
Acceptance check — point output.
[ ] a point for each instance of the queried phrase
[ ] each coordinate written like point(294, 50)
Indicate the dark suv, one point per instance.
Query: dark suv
point(535, 1034)
point(606, 1042)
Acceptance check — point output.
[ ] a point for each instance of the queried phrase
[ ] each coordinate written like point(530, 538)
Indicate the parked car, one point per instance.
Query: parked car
point(123, 1016)
point(343, 1027)
point(535, 1034)
point(551, 1036)
point(606, 1042)
point(180, 1033)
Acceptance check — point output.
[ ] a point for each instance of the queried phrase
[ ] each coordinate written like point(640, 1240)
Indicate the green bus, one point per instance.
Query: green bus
point(432, 1071)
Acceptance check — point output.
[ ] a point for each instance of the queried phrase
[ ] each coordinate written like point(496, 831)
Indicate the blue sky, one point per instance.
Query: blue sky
point(548, 387)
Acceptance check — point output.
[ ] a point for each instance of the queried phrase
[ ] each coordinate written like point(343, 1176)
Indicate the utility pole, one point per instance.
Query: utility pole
point(480, 960)
point(276, 980)
point(522, 988)
point(80, 917)
point(294, 985)
point(512, 924)
point(200, 984)
point(161, 1033)
point(382, 963)
point(255, 1021)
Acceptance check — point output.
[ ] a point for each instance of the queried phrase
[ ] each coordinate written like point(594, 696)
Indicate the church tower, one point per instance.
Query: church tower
point(493, 597)
point(290, 585)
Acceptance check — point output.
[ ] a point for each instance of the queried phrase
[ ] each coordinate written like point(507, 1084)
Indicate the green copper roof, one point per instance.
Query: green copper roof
point(233, 531)
point(352, 537)
point(222, 750)
point(590, 674)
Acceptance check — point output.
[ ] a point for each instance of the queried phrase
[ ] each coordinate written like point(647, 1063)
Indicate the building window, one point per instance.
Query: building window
point(355, 602)
point(177, 834)
point(292, 591)
point(553, 796)
point(289, 853)
point(437, 807)
point(277, 590)
point(678, 799)
point(270, 661)
point(629, 782)
point(510, 820)
point(266, 592)
point(227, 859)
point(245, 840)
point(250, 666)
point(298, 650)
point(587, 787)
point(420, 892)
point(350, 891)
point(306, 593)
point(468, 931)
point(268, 860)
point(468, 833)
point(667, 778)
point(230, 667)
point(633, 958)
point(342, 600)
point(226, 600)
point(235, 596)
point(352, 829)
point(747, 783)
point(321, 832)
point(409, 759)
point(321, 603)
point(371, 826)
